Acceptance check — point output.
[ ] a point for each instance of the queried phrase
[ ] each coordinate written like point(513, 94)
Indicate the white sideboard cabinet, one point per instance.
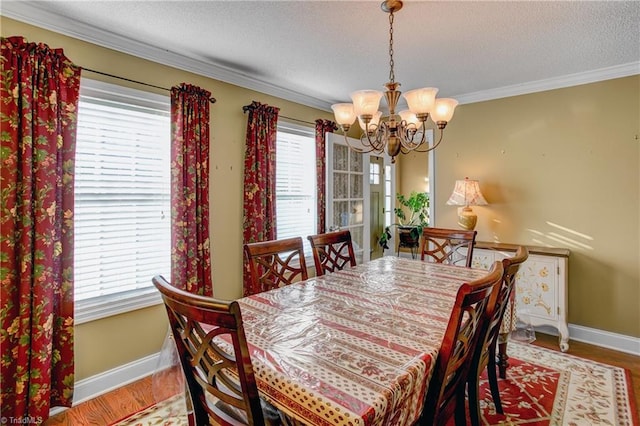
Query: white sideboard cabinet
point(541, 284)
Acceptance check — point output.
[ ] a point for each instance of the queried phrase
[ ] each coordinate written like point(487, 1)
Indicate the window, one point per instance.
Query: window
point(388, 202)
point(374, 173)
point(122, 199)
point(296, 201)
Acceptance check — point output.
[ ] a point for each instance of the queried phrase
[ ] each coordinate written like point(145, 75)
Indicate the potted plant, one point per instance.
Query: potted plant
point(412, 214)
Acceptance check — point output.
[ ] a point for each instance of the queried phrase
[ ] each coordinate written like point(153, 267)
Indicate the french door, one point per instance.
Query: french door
point(348, 195)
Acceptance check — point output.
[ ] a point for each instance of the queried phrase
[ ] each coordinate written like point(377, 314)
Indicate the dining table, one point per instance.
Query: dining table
point(353, 347)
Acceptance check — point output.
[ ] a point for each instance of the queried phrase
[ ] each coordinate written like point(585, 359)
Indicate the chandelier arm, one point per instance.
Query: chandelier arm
point(377, 142)
point(368, 147)
point(434, 146)
point(407, 141)
point(365, 138)
point(355, 148)
point(382, 136)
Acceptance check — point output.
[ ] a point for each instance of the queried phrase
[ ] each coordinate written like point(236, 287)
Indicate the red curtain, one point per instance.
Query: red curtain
point(190, 246)
point(322, 127)
point(39, 95)
point(259, 179)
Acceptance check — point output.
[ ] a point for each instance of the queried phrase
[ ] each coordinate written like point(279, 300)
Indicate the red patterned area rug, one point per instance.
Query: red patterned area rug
point(543, 388)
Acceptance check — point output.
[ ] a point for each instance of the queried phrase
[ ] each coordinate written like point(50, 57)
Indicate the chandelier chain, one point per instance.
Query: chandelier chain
point(392, 76)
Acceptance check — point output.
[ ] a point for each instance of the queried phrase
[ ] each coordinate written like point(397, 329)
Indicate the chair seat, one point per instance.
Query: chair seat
point(238, 416)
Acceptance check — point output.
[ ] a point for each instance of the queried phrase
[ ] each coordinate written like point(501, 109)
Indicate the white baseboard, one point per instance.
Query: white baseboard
point(592, 336)
point(109, 380)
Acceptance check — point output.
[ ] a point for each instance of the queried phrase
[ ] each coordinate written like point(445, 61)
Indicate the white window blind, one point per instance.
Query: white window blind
point(122, 197)
point(296, 201)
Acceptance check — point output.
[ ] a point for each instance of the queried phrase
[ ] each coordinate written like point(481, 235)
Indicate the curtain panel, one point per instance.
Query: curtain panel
point(190, 245)
point(39, 95)
point(322, 127)
point(259, 222)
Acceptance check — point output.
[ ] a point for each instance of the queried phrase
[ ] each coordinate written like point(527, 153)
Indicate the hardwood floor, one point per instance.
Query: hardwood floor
point(118, 404)
point(115, 405)
point(107, 408)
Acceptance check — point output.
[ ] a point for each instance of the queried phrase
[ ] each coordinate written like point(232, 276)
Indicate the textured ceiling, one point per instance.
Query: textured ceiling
point(317, 52)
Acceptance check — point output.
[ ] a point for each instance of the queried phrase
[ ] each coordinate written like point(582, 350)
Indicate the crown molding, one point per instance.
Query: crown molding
point(29, 13)
point(569, 80)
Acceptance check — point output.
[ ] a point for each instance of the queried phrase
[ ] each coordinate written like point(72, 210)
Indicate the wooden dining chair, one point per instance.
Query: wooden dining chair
point(220, 380)
point(276, 263)
point(450, 246)
point(485, 354)
point(474, 305)
point(332, 251)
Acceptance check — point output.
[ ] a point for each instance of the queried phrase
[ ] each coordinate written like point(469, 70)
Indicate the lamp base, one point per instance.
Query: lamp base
point(467, 219)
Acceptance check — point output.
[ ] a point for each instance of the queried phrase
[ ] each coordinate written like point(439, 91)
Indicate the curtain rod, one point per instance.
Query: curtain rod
point(297, 119)
point(212, 100)
point(254, 103)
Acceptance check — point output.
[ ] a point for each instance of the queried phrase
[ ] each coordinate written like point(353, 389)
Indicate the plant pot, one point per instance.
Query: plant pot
point(408, 236)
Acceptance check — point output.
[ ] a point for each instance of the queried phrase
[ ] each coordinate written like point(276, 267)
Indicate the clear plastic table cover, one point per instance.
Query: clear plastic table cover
point(354, 347)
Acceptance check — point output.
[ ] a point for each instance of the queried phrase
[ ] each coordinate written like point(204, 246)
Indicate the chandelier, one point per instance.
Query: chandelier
point(402, 132)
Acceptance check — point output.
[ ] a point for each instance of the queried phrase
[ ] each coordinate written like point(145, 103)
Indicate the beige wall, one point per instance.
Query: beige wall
point(559, 168)
point(108, 343)
point(411, 171)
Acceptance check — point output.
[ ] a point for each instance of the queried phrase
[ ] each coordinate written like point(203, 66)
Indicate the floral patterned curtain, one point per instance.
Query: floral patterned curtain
point(190, 246)
point(322, 127)
point(39, 95)
point(259, 179)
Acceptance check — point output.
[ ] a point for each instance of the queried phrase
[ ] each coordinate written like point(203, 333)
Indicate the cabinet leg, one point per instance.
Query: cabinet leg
point(502, 355)
point(563, 340)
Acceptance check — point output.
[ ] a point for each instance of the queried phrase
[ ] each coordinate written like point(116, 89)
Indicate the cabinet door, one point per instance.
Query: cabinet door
point(540, 291)
point(482, 259)
point(536, 288)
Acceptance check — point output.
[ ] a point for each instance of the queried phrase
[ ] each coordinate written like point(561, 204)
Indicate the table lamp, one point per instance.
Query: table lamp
point(467, 193)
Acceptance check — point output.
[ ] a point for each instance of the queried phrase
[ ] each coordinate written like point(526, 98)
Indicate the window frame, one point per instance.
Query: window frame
point(126, 301)
point(285, 126)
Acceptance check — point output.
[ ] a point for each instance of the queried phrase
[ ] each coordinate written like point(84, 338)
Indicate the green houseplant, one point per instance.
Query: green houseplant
point(412, 214)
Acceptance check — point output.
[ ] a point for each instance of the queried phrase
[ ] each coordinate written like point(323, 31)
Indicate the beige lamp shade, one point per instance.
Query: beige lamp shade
point(421, 101)
point(467, 193)
point(366, 102)
point(345, 116)
point(373, 124)
point(410, 118)
point(443, 112)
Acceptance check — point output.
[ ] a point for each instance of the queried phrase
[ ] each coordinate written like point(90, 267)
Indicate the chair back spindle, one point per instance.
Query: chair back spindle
point(276, 263)
point(332, 251)
point(448, 246)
